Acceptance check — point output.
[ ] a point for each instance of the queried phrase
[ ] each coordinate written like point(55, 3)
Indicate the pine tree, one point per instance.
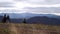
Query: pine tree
point(24, 21)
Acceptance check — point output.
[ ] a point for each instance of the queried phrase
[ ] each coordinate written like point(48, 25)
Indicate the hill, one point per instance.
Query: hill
point(15, 20)
point(29, 15)
point(44, 20)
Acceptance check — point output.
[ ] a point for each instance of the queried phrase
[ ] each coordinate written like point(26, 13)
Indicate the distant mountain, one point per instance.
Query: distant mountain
point(29, 15)
point(43, 20)
point(16, 20)
point(33, 18)
point(13, 15)
point(1, 17)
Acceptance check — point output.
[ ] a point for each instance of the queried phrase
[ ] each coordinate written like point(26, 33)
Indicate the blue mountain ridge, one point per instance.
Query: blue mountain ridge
point(34, 18)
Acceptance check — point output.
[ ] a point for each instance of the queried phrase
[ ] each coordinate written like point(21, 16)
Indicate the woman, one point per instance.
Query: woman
point(8, 18)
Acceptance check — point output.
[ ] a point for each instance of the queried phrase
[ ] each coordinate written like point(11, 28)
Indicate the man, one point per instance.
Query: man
point(4, 18)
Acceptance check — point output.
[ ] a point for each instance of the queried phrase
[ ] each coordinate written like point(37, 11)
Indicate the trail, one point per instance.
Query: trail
point(13, 29)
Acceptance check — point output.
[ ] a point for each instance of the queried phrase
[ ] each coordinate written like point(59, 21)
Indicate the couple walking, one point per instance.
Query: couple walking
point(5, 18)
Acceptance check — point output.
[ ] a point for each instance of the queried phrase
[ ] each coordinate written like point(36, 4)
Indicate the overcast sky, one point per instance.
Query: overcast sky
point(30, 6)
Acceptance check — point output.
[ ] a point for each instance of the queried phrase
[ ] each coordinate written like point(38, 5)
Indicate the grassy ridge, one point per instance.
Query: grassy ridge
point(4, 28)
point(39, 26)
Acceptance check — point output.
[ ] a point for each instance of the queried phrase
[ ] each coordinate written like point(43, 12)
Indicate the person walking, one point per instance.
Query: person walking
point(4, 18)
point(8, 18)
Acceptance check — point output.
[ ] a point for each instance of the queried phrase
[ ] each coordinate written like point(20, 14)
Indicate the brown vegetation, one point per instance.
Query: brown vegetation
point(12, 28)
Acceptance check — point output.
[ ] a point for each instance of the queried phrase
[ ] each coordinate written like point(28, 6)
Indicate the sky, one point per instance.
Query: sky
point(30, 6)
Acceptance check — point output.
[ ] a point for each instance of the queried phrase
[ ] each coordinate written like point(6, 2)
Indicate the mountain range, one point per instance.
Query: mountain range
point(43, 20)
point(29, 15)
point(34, 18)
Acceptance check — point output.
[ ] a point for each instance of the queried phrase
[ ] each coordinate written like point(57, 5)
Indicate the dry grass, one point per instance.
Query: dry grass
point(13, 28)
point(4, 28)
point(39, 26)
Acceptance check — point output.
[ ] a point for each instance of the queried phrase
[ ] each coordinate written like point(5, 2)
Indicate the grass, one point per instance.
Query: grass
point(4, 27)
point(39, 26)
point(4, 31)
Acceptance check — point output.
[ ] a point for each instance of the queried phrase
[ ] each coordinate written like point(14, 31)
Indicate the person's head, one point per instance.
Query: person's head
point(4, 15)
point(7, 15)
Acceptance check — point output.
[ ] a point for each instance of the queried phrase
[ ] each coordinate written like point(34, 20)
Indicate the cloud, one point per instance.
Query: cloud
point(39, 10)
point(32, 6)
point(53, 1)
point(20, 0)
point(6, 0)
point(12, 11)
point(41, 1)
point(6, 4)
point(36, 10)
